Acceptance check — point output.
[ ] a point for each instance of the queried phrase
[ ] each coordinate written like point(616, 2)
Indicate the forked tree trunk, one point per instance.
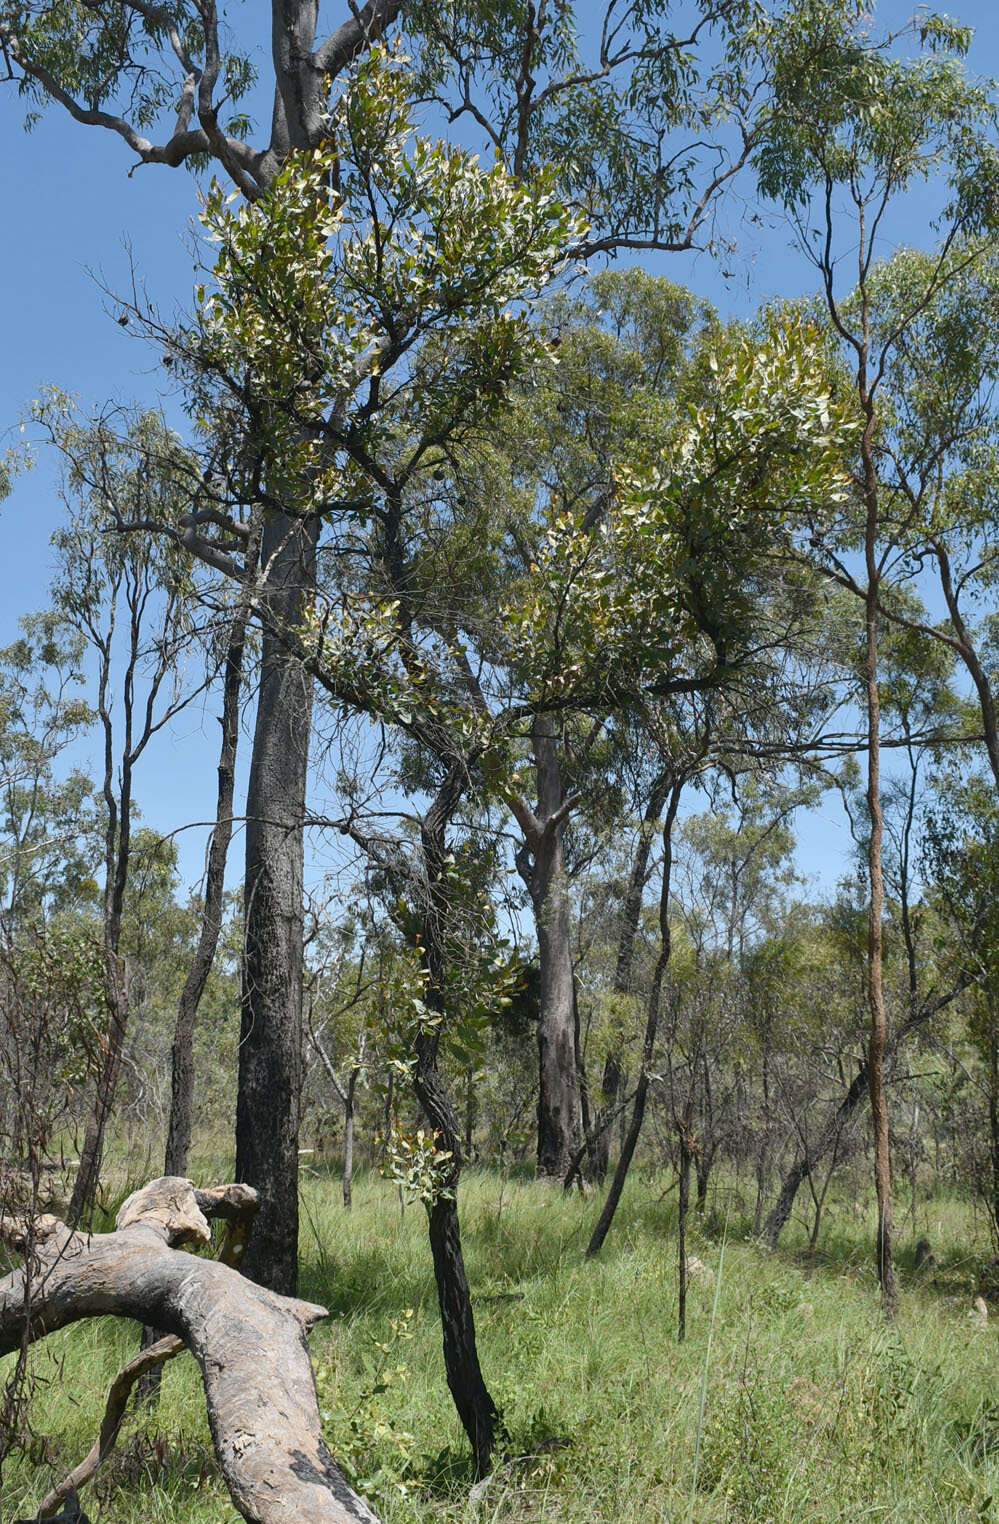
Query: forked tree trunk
point(268, 1104)
point(546, 879)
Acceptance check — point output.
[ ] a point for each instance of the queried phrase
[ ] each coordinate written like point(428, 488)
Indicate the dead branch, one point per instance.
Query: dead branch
point(237, 1206)
point(248, 1341)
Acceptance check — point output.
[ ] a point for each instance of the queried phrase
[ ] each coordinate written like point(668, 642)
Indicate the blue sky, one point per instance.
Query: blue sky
point(73, 212)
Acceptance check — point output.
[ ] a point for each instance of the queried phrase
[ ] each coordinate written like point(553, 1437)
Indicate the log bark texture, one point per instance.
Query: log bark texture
point(248, 1341)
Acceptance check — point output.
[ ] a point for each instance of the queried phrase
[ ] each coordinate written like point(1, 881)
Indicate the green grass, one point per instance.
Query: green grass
point(812, 1408)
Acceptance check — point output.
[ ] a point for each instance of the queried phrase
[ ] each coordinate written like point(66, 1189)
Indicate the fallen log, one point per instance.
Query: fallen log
point(248, 1341)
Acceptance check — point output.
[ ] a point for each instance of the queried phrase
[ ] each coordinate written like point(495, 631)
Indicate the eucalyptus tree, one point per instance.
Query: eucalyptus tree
point(356, 334)
point(856, 127)
point(621, 103)
point(644, 377)
point(627, 362)
point(132, 603)
point(46, 851)
point(959, 856)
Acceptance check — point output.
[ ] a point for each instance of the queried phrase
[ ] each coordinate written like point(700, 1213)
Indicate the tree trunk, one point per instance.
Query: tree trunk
point(270, 1048)
point(182, 1071)
point(703, 1161)
point(582, 1084)
point(475, 1407)
point(993, 1102)
point(611, 1083)
point(875, 928)
point(558, 1081)
point(613, 1075)
point(651, 1029)
point(348, 1140)
point(683, 1211)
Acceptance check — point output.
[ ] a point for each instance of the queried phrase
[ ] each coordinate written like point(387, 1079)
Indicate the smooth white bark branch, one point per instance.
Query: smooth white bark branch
point(248, 1341)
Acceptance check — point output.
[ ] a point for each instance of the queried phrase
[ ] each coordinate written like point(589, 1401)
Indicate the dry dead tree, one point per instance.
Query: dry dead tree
point(249, 1343)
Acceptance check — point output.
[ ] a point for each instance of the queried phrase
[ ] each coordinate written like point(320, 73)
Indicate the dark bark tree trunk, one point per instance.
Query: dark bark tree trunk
point(348, 1140)
point(182, 1071)
point(586, 1120)
point(875, 929)
point(682, 1213)
point(703, 1160)
point(475, 1407)
point(270, 1050)
point(611, 1083)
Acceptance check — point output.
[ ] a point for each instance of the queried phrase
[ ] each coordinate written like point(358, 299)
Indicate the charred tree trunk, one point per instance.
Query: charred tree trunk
point(348, 1139)
point(475, 1407)
point(270, 1048)
point(682, 1213)
point(875, 926)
